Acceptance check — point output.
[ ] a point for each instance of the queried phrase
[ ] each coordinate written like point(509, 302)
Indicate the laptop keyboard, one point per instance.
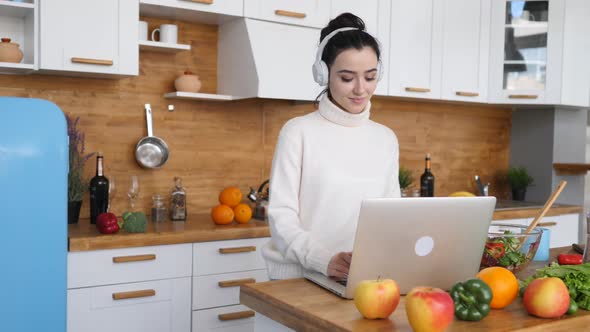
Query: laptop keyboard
point(342, 282)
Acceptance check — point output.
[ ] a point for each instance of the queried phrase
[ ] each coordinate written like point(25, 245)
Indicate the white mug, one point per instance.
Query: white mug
point(143, 30)
point(168, 33)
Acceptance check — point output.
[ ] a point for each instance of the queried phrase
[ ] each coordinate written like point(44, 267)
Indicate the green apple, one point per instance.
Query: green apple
point(376, 298)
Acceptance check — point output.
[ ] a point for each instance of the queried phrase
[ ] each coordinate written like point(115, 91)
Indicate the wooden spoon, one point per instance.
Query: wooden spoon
point(546, 208)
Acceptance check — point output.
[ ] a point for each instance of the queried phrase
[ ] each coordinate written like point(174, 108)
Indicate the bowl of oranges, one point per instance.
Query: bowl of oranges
point(231, 208)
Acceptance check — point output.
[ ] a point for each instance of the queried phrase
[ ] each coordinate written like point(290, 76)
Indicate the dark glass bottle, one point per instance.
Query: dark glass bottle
point(427, 180)
point(99, 191)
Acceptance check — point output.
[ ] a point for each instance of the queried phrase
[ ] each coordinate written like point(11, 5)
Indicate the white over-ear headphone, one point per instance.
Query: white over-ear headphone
point(321, 74)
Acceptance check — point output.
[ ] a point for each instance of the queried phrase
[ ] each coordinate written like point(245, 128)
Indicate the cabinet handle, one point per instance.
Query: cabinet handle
point(466, 94)
point(287, 13)
point(136, 258)
point(236, 315)
point(237, 282)
point(236, 250)
point(93, 61)
point(207, 2)
point(134, 294)
point(547, 224)
point(523, 96)
point(410, 89)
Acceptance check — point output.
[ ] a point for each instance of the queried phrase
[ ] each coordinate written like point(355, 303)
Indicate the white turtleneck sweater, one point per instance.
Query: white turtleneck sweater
point(325, 164)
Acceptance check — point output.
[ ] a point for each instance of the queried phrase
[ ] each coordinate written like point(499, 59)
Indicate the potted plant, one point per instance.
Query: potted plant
point(518, 180)
point(405, 180)
point(77, 184)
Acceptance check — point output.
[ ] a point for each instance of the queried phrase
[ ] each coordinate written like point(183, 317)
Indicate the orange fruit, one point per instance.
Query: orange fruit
point(222, 214)
point(503, 283)
point(230, 196)
point(242, 213)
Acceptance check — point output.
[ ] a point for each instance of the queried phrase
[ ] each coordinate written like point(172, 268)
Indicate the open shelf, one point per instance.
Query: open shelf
point(16, 68)
point(201, 96)
point(525, 62)
point(16, 9)
point(146, 45)
point(571, 169)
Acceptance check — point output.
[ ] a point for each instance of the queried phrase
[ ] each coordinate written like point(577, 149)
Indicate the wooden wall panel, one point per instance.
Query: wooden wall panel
point(217, 144)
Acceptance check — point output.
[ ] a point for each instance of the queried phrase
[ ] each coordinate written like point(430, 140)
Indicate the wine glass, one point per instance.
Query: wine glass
point(112, 190)
point(133, 192)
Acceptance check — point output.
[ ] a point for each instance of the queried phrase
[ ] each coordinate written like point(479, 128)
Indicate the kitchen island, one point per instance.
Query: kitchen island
point(304, 306)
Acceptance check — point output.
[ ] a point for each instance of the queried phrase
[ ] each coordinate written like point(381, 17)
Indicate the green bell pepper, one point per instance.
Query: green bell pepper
point(472, 299)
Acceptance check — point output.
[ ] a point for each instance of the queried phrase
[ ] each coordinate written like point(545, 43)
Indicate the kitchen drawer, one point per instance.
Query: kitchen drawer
point(209, 320)
point(114, 266)
point(222, 289)
point(163, 306)
point(228, 256)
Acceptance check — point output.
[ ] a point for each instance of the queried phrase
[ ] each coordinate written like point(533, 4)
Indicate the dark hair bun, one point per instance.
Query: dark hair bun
point(343, 20)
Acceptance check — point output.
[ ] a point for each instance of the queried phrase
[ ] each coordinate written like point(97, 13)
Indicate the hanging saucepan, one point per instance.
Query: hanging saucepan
point(151, 151)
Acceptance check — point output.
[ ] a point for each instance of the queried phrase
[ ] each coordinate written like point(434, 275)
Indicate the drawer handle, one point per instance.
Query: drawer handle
point(236, 250)
point(93, 61)
point(207, 2)
point(236, 315)
point(410, 89)
point(547, 224)
point(523, 96)
point(466, 94)
point(237, 282)
point(134, 294)
point(136, 258)
point(287, 13)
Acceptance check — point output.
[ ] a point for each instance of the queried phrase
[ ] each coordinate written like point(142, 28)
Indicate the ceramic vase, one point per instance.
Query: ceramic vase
point(10, 52)
point(187, 82)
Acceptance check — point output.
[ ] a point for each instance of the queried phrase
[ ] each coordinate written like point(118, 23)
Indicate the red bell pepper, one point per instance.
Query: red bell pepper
point(107, 223)
point(495, 249)
point(569, 259)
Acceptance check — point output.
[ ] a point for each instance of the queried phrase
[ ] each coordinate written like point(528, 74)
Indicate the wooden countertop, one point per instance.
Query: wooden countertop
point(519, 213)
point(198, 228)
point(304, 306)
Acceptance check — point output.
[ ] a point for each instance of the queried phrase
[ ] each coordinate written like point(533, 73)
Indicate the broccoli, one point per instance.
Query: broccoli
point(134, 222)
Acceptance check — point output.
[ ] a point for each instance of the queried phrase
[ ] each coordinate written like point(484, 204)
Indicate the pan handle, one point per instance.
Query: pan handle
point(148, 117)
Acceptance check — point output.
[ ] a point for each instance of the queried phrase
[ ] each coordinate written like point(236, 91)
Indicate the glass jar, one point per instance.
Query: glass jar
point(177, 201)
point(158, 209)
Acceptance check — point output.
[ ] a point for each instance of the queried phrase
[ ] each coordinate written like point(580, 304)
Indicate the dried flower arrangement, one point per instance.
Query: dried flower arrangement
point(77, 184)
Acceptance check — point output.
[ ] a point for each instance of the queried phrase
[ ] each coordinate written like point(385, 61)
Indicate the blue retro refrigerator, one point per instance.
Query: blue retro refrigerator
point(33, 215)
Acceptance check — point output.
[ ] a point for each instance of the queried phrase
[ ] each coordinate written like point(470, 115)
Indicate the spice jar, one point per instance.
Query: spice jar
point(158, 209)
point(177, 201)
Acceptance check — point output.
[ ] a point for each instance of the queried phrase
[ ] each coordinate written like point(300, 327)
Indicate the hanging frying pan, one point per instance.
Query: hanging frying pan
point(151, 151)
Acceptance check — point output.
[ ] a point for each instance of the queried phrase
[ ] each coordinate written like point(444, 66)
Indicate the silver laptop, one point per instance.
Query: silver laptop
point(416, 242)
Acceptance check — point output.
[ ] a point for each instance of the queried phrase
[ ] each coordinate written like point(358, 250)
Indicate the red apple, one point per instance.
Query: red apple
point(429, 309)
point(546, 298)
point(376, 298)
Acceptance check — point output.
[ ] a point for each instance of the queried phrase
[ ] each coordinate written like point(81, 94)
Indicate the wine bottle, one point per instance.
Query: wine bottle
point(99, 191)
point(427, 180)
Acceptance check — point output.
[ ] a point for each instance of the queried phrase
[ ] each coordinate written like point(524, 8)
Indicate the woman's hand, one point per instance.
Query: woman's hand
point(339, 265)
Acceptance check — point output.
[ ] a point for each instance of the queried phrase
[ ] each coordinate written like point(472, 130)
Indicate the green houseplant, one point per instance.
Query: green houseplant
point(405, 179)
point(77, 184)
point(518, 180)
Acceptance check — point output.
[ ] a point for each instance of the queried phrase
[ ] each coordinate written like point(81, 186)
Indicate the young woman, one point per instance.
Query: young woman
point(328, 161)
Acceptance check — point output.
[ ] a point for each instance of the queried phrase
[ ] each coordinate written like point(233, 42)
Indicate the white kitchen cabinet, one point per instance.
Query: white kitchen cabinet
point(416, 48)
point(151, 306)
point(375, 14)
point(219, 268)
point(310, 13)
point(563, 233)
point(18, 21)
point(539, 52)
point(133, 289)
point(466, 38)
point(89, 38)
point(200, 11)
